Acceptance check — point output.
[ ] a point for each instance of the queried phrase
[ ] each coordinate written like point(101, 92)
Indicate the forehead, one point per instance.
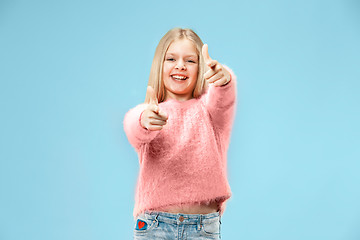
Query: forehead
point(182, 47)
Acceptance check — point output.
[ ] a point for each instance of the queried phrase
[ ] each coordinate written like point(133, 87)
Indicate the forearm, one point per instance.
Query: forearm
point(221, 98)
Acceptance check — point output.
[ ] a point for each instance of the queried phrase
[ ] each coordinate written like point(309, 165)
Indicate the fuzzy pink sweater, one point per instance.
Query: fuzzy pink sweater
point(186, 161)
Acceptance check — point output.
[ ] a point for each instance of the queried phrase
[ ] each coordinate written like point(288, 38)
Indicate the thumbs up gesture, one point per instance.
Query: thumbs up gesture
point(217, 74)
point(152, 118)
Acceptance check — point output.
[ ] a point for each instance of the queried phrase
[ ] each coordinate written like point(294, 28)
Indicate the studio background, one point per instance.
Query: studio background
point(70, 70)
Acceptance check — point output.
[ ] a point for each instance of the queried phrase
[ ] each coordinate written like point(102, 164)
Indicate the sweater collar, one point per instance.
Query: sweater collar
point(180, 103)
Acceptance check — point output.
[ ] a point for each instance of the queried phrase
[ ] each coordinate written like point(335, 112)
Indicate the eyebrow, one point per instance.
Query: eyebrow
point(189, 55)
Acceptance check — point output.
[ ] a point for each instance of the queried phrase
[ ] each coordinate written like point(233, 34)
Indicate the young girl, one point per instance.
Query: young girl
point(181, 134)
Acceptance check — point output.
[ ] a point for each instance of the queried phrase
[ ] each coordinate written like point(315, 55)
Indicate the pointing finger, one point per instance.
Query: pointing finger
point(154, 108)
point(163, 115)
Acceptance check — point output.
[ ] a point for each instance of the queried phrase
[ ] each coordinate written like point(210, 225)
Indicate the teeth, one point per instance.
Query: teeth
point(179, 77)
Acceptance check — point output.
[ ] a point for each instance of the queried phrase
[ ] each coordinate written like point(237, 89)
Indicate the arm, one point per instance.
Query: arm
point(220, 101)
point(135, 133)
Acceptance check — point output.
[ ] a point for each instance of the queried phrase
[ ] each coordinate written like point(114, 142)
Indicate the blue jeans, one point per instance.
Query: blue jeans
point(163, 225)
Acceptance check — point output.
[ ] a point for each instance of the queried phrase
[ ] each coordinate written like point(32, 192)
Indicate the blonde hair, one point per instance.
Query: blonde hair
point(155, 78)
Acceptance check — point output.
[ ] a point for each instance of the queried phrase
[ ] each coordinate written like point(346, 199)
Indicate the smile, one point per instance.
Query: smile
point(179, 78)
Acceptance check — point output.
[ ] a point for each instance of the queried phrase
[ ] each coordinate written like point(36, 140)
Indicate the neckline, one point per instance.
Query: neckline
point(178, 102)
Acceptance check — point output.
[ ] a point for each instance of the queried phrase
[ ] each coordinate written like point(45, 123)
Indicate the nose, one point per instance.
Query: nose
point(180, 65)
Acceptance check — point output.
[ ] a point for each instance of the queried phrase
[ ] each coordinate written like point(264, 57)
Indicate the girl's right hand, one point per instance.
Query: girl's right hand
point(152, 118)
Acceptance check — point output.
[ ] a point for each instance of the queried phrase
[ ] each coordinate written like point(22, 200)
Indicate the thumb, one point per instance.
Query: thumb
point(205, 53)
point(207, 58)
point(152, 96)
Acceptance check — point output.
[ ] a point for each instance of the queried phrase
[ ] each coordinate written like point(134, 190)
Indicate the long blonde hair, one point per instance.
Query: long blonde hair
point(155, 78)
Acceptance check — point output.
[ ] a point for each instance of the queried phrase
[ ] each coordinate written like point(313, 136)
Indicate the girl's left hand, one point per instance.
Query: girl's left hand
point(217, 74)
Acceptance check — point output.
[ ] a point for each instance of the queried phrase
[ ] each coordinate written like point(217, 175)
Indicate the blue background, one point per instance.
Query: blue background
point(70, 70)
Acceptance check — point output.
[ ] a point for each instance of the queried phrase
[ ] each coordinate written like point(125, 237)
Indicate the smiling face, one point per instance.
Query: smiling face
point(180, 70)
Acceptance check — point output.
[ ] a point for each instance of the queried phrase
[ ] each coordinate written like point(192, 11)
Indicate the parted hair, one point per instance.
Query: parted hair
point(155, 78)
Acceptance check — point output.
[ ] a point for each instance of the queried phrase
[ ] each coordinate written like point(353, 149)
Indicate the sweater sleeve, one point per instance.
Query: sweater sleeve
point(221, 102)
point(135, 133)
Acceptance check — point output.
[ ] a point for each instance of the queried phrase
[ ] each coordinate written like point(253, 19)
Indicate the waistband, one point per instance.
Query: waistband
point(181, 218)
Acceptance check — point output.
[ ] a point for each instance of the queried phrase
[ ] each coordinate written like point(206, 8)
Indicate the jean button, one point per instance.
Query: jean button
point(181, 218)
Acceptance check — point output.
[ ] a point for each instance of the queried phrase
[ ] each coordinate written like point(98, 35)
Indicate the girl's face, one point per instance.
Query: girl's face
point(180, 70)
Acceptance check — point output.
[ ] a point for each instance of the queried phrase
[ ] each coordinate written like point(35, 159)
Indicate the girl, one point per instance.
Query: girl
point(181, 134)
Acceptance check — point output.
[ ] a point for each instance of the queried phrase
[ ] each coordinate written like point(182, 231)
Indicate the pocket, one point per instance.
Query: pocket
point(143, 224)
point(211, 228)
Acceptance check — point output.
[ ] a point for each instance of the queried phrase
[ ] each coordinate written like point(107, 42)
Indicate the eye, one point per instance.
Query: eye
point(170, 59)
point(191, 61)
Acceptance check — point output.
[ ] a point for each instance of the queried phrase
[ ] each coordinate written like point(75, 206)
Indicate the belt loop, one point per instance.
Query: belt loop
point(220, 218)
point(200, 222)
point(157, 221)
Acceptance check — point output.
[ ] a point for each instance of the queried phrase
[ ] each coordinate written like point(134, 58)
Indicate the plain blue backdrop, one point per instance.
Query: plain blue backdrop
point(70, 70)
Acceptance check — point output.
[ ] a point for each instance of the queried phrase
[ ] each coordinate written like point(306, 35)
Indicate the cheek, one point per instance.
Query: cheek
point(166, 73)
point(194, 71)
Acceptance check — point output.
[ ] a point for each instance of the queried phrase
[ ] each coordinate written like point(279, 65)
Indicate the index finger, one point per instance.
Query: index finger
point(163, 115)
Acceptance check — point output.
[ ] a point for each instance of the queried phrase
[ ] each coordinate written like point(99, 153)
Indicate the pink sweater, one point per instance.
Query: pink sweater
point(186, 161)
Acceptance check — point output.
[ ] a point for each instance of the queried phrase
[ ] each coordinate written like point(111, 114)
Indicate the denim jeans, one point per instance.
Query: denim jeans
point(163, 225)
